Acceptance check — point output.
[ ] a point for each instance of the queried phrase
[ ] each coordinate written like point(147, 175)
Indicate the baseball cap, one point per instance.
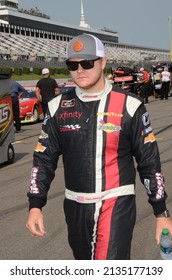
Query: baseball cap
point(85, 46)
point(45, 71)
point(142, 69)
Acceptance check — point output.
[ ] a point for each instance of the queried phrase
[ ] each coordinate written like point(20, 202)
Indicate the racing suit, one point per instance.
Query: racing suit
point(98, 136)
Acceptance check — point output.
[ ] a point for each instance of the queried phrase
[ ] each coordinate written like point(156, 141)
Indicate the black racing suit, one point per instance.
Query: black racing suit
point(98, 140)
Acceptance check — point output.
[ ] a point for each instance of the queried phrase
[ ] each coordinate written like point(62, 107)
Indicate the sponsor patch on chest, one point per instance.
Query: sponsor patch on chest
point(68, 103)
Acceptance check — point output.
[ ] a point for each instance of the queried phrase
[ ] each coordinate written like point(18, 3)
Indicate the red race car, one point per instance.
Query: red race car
point(30, 106)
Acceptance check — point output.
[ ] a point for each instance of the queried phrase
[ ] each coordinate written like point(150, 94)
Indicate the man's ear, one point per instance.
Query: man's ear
point(104, 61)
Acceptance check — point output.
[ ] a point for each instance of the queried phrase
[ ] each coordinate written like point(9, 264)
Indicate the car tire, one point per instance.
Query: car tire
point(35, 115)
point(10, 154)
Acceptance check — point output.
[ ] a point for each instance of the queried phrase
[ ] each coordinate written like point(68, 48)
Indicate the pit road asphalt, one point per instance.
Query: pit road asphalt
point(17, 243)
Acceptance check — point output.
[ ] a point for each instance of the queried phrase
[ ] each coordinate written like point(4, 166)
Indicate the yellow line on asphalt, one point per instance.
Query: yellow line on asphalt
point(16, 142)
point(21, 142)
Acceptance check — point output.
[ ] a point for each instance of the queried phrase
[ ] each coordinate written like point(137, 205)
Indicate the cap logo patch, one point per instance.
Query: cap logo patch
point(78, 46)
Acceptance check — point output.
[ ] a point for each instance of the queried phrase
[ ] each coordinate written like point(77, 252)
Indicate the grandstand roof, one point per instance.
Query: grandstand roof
point(29, 19)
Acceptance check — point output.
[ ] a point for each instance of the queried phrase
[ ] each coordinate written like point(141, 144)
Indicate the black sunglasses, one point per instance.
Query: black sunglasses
point(86, 64)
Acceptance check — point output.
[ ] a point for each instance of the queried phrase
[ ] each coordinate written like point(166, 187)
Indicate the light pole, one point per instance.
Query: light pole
point(169, 28)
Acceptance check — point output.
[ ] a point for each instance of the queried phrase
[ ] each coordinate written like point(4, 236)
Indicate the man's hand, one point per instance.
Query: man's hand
point(161, 223)
point(20, 94)
point(40, 98)
point(38, 93)
point(35, 222)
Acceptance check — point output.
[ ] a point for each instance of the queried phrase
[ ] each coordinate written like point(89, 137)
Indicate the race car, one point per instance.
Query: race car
point(123, 77)
point(30, 106)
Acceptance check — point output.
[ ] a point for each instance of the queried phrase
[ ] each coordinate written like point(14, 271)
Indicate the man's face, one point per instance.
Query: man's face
point(88, 79)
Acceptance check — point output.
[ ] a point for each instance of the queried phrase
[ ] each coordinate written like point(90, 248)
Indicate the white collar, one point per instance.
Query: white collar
point(87, 97)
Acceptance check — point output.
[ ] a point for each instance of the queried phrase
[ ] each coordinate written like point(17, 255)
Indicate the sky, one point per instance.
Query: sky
point(138, 22)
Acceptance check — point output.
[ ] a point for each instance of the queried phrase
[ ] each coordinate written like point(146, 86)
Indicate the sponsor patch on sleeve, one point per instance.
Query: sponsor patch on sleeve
point(150, 138)
point(147, 130)
point(33, 182)
point(40, 148)
point(145, 119)
point(43, 135)
point(147, 185)
point(160, 185)
point(47, 117)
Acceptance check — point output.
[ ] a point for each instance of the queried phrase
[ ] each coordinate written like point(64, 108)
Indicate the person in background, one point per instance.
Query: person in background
point(16, 91)
point(98, 129)
point(165, 80)
point(157, 84)
point(46, 89)
point(135, 69)
point(145, 89)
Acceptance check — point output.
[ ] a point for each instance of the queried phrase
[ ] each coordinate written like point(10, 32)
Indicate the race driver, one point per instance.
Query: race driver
point(98, 129)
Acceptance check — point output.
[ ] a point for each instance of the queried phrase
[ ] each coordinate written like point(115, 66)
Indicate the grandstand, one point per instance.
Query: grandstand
point(30, 38)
